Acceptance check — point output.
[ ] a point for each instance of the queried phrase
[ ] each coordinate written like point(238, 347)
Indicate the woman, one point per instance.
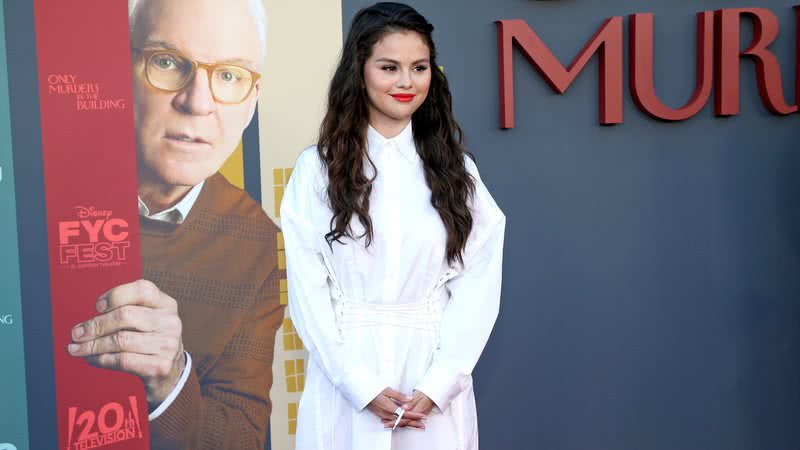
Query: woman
point(394, 251)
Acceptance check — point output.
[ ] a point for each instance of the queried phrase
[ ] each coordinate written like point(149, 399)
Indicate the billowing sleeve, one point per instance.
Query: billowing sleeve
point(310, 304)
point(474, 302)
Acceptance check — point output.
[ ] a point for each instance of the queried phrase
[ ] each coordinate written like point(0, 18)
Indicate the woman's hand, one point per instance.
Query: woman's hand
point(387, 402)
point(419, 404)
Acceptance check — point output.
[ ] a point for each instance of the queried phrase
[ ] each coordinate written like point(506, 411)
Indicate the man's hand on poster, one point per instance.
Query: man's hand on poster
point(138, 331)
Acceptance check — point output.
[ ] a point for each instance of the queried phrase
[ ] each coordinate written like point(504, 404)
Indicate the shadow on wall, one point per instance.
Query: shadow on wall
point(758, 234)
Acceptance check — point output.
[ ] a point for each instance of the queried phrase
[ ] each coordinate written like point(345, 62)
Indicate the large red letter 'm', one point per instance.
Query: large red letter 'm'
point(641, 67)
point(768, 71)
point(607, 41)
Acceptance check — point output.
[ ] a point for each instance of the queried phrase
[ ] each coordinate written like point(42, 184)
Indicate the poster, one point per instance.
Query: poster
point(219, 260)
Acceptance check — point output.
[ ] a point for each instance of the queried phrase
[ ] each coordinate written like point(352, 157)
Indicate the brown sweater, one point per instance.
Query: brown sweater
point(221, 267)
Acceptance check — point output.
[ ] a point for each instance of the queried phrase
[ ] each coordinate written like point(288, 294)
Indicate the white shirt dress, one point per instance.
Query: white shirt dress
point(393, 314)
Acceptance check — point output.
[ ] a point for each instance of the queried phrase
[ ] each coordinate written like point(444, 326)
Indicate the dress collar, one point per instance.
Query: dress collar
point(403, 142)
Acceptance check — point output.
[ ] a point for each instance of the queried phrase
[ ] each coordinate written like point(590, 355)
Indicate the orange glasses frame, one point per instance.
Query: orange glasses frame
point(209, 68)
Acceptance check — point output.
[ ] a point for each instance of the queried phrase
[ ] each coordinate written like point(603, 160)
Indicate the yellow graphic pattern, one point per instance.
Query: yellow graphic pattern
point(295, 375)
point(281, 254)
point(281, 179)
point(291, 341)
point(233, 168)
point(284, 293)
point(292, 418)
point(293, 366)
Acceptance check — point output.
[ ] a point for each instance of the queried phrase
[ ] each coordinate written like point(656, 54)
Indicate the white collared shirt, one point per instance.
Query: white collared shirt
point(403, 143)
point(175, 215)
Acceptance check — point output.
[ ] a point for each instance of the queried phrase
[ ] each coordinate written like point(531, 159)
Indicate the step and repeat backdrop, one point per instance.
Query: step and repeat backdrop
point(644, 154)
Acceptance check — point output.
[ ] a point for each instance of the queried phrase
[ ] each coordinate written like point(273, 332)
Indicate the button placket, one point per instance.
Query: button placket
point(393, 251)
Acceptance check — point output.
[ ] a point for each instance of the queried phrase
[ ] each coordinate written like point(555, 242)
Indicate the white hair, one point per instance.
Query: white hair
point(257, 8)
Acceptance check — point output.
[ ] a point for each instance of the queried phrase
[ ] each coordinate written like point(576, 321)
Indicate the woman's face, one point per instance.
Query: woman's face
point(397, 77)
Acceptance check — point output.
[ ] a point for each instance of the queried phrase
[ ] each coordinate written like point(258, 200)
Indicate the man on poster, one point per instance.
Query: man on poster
point(200, 332)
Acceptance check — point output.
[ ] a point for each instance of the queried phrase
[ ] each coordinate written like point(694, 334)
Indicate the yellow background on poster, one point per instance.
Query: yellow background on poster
point(291, 105)
point(302, 51)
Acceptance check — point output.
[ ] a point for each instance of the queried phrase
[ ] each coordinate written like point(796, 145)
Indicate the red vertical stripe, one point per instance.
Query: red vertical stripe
point(84, 62)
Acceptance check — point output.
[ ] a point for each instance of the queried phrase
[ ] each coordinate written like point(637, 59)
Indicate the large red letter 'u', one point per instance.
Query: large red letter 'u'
point(641, 68)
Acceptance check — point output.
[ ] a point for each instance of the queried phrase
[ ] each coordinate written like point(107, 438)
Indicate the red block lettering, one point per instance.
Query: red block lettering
point(607, 42)
point(770, 86)
point(641, 68)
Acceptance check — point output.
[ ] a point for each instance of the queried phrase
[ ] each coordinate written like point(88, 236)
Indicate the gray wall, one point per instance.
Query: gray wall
point(651, 297)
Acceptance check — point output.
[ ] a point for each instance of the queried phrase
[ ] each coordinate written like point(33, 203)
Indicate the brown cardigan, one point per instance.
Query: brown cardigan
point(221, 267)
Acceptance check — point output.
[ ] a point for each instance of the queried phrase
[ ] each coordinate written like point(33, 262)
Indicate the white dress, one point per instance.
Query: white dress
point(393, 314)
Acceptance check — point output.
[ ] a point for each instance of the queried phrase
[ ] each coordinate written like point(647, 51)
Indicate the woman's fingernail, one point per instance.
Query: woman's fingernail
point(102, 305)
point(78, 331)
point(72, 348)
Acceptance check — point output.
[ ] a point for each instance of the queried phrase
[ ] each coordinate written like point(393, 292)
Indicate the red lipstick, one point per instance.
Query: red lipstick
point(404, 98)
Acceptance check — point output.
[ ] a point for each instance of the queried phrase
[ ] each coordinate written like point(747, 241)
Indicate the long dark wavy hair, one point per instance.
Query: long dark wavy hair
point(342, 143)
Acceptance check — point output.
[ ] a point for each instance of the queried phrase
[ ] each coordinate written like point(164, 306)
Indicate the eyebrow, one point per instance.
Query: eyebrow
point(158, 44)
point(389, 60)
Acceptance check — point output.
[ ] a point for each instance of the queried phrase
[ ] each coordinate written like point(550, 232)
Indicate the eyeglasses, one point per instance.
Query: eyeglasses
point(171, 71)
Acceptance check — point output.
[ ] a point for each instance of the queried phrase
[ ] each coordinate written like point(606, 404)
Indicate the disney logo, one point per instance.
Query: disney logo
point(92, 212)
point(6, 319)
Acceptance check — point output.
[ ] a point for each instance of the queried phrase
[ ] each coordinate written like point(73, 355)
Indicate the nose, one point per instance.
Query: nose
point(196, 98)
point(404, 80)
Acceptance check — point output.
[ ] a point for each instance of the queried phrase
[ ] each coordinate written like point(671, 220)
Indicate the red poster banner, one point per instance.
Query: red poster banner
point(88, 143)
